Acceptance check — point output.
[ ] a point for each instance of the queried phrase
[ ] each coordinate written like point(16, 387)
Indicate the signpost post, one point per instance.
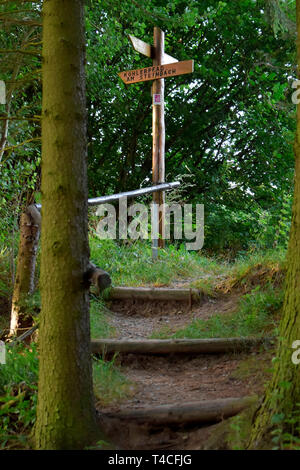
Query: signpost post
point(163, 66)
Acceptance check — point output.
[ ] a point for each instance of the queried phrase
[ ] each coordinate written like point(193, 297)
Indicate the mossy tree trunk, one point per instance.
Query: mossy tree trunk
point(30, 223)
point(283, 392)
point(66, 416)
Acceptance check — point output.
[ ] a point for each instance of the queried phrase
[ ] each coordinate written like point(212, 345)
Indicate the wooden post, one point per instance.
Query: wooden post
point(164, 66)
point(158, 130)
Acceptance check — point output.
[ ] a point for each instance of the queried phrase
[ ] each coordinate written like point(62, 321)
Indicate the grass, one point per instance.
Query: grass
point(257, 314)
point(255, 269)
point(132, 265)
point(259, 276)
point(110, 385)
point(100, 327)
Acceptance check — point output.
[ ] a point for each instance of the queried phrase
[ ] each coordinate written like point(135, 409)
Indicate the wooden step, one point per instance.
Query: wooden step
point(154, 293)
point(210, 411)
point(176, 346)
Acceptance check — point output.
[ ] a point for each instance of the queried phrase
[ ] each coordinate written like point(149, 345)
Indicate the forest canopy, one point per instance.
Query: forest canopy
point(229, 127)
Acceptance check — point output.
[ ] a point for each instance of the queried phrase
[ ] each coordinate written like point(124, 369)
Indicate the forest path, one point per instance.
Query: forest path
point(141, 319)
point(176, 379)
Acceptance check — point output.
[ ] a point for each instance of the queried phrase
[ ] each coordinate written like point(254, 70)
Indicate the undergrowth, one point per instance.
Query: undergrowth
point(132, 264)
point(5, 290)
point(18, 396)
point(110, 384)
point(100, 327)
point(18, 392)
point(254, 269)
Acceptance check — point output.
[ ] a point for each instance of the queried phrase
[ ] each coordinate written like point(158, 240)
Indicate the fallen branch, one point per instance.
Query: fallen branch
point(211, 411)
point(176, 346)
point(24, 335)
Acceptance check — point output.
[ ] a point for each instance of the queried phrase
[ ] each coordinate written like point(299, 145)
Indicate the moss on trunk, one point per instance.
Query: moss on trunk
point(282, 397)
point(65, 413)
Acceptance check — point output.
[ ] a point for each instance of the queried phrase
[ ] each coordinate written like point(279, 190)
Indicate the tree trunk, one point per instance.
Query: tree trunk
point(66, 417)
point(30, 223)
point(283, 392)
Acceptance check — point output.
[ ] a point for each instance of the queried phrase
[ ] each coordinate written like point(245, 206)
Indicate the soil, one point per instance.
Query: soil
point(140, 319)
point(177, 379)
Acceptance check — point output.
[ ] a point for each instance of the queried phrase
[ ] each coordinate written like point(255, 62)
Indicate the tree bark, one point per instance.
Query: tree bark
point(283, 392)
point(30, 224)
point(66, 417)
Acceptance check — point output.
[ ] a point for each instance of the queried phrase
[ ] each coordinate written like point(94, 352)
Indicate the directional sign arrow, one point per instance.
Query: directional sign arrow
point(148, 50)
point(157, 71)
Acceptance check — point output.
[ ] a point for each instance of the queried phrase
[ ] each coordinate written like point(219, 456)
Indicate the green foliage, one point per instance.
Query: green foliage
point(253, 228)
point(18, 396)
point(100, 327)
point(110, 385)
point(18, 392)
point(255, 268)
point(229, 125)
point(286, 434)
point(132, 264)
point(21, 367)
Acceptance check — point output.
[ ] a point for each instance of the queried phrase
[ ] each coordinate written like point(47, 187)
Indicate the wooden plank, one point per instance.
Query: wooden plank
point(157, 72)
point(176, 346)
point(154, 293)
point(168, 59)
point(149, 51)
point(141, 46)
point(210, 411)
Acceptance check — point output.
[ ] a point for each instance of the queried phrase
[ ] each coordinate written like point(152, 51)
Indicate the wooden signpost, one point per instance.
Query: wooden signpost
point(155, 72)
point(163, 66)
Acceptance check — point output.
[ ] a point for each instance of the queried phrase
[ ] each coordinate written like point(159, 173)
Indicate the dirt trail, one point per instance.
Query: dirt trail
point(140, 319)
point(175, 379)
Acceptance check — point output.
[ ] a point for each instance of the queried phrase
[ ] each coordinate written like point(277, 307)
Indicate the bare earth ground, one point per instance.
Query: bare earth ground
point(177, 379)
point(139, 319)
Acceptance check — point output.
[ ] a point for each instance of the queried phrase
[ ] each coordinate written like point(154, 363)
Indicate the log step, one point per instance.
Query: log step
point(154, 293)
point(210, 411)
point(176, 346)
